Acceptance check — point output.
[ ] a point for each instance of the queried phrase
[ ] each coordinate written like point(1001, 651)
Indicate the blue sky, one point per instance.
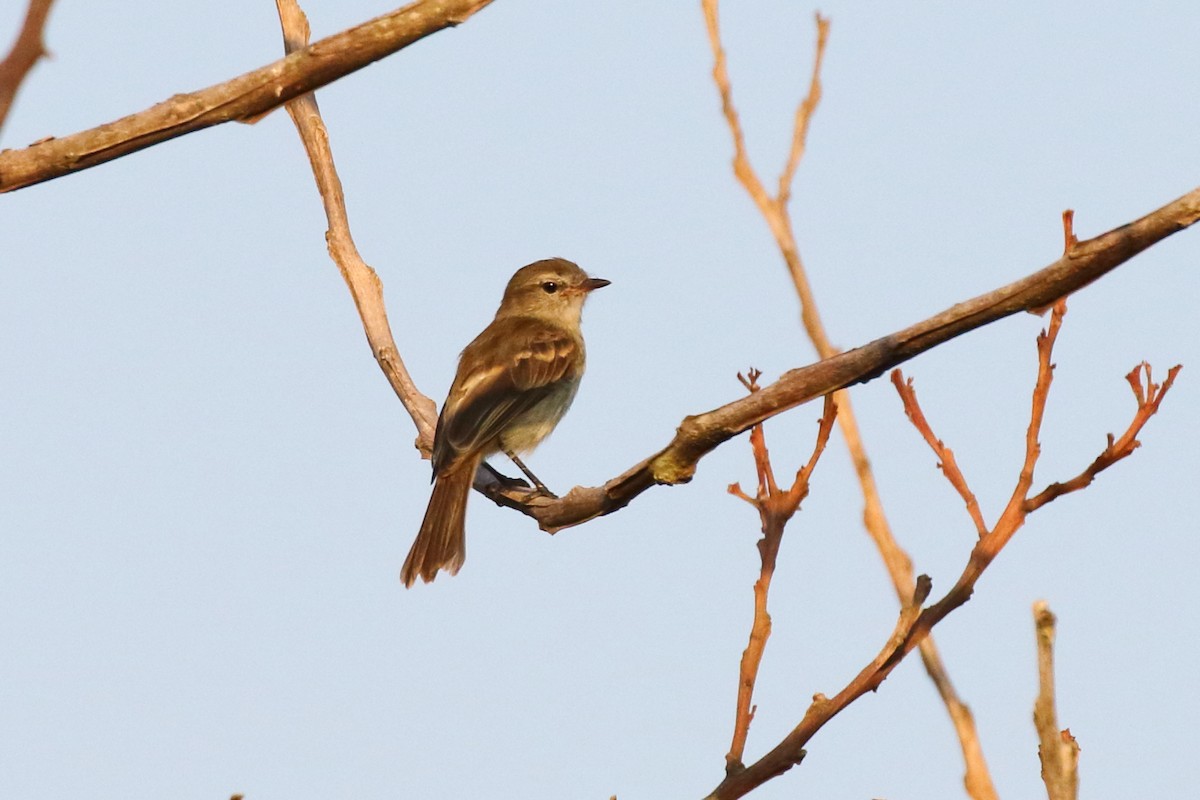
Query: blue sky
point(207, 487)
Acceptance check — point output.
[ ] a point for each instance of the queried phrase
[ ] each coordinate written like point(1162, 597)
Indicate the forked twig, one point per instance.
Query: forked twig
point(1021, 504)
point(914, 626)
point(774, 210)
point(1148, 399)
point(775, 507)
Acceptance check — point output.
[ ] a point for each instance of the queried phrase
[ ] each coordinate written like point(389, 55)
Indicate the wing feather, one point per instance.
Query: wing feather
point(502, 375)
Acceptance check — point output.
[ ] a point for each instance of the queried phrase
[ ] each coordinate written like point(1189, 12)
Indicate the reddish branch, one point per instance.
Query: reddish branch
point(242, 98)
point(1057, 749)
point(775, 507)
point(25, 52)
point(946, 462)
point(915, 623)
point(790, 751)
point(1020, 505)
point(774, 210)
point(1069, 240)
point(1148, 398)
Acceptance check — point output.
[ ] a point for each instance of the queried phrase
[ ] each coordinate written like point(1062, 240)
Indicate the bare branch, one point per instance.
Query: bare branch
point(947, 463)
point(241, 98)
point(741, 163)
point(700, 434)
point(25, 52)
point(760, 629)
point(775, 211)
point(1148, 400)
point(804, 114)
point(363, 282)
point(1041, 394)
point(789, 752)
point(915, 623)
point(824, 430)
point(1057, 749)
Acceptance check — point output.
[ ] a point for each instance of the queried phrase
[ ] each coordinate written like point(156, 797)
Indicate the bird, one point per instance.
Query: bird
point(514, 382)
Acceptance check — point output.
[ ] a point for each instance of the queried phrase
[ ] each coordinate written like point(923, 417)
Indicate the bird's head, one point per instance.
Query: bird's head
point(552, 289)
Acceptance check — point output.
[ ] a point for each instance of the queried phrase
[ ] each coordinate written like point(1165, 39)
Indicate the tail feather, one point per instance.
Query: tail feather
point(442, 542)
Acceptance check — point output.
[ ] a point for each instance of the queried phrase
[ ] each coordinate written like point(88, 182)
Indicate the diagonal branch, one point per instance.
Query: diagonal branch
point(804, 114)
point(363, 282)
point(241, 98)
point(915, 622)
point(25, 52)
point(774, 210)
point(946, 461)
point(790, 752)
point(701, 434)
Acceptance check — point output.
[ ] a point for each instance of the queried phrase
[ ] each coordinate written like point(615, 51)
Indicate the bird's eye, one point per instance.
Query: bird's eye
point(550, 287)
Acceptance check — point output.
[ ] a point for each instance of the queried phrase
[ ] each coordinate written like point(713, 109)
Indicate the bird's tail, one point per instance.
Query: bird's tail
point(442, 542)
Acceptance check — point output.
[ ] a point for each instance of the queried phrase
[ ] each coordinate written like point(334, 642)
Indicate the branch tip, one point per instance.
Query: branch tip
point(28, 48)
point(1069, 240)
point(750, 379)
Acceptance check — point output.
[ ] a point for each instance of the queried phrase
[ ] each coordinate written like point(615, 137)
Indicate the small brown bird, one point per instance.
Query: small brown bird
point(513, 385)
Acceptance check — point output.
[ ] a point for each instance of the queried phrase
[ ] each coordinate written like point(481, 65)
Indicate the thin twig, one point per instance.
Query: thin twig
point(1057, 749)
point(946, 461)
point(824, 430)
point(241, 98)
point(804, 114)
point(1069, 240)
point(362, 280)
point(25, 52)
point(1148, 400)
point(1041, 393)
point(775, 211)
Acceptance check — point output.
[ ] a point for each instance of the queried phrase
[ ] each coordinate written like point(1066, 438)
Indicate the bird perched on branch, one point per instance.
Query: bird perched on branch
point(514, 383)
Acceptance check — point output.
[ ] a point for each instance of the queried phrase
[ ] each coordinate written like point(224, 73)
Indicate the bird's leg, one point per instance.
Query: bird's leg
point(541, 487)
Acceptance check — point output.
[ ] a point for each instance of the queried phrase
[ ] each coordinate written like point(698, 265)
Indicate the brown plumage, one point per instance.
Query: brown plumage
point(514, 383)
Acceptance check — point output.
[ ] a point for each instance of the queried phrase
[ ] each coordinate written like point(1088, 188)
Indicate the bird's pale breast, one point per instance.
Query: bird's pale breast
point(528, 430)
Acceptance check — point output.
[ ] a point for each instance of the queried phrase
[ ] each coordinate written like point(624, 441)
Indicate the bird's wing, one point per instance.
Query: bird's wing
point(505, 372)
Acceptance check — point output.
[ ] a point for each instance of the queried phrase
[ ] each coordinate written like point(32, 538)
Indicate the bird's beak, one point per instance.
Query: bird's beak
point(594, 283)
